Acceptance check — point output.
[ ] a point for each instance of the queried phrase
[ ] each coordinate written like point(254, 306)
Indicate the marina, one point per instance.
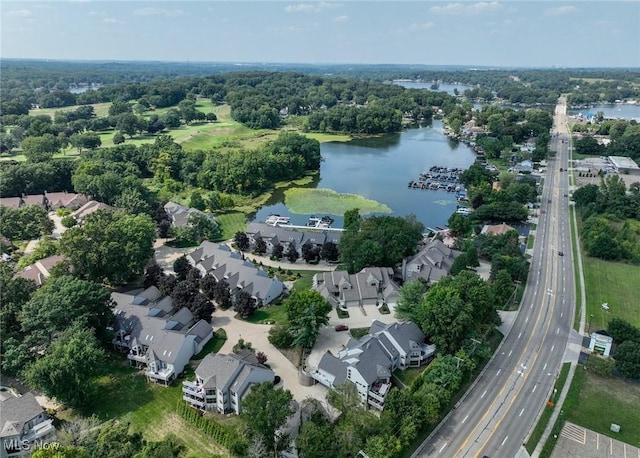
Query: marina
point(444, 178)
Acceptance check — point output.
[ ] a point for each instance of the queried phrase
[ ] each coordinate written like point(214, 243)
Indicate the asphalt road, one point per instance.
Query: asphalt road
point(496, 415)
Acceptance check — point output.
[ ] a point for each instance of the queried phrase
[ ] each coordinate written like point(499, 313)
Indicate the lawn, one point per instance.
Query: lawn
point(213, 346)
point(269, 315)
point(409, 375)
point(599, 401)
point(230, 223)
point(100, 109)
point(150, 408)
point(614, 283)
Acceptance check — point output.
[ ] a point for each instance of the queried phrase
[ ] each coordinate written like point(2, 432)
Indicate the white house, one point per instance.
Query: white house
point(221, 262)
point(23, 422)
point(222, 381)
point(155, 336)
point(432, 262)
point(369, 362)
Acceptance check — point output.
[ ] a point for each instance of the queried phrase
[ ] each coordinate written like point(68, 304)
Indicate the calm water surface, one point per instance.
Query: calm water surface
point(612, 111)
point(380, 169)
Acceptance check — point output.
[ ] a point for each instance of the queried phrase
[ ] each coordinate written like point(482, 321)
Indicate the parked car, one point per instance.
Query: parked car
point(342, 327)
point(560, 253)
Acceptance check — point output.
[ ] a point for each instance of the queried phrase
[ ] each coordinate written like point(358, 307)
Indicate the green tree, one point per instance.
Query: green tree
point(410, 302)
point(266, 409)
point(25, 223)
point(88, 140)
point(307, 310)
point(110, 246)
point(448, 320)
point(40, 149)
point(316, 441)
point(352, 220)
point(15, 292)
point(60, 451)
point(68, 369)
point(628, 359)
point(63, 302)
point(241, 240)
point(118, 138)
point(114, 441)
point(622, 330)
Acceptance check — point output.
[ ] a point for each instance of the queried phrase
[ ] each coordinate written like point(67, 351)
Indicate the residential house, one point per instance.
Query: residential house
point(223, 263)
point(41, 269)
point(155, 336)
point(496, 229)
point(23, 422)
point(525, 166)
point(180, 214)
point(432, 262)
point(88, 208)
point(69, 200)
point(273, 235)
point(370, 286)
point(369, 362)
point(12, 202)
point(222, 381)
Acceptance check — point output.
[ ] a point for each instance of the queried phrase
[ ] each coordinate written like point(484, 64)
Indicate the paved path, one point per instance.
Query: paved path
point(257, 335)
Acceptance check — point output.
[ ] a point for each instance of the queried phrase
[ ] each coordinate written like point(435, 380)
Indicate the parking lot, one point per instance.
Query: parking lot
point(331, 340)
point(576, 441)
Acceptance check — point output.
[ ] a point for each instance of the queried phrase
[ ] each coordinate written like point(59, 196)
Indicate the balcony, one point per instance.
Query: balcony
point(164, 375)
point(39, 431)
point(378, 391)
point(139, 357)
point(192, 389)
point(193, 402)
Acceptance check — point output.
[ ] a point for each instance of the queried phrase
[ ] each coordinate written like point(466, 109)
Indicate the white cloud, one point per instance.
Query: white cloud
point(20, 13)
point(110, 20)
point(311, 7)
point(342, 18)
point(560, 10)
point(466, 8)
point(421, 26)
point(150, 11)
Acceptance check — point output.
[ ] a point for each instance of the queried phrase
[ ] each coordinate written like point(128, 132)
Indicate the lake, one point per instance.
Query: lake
point(443, 87)
point(380, 169)
point(611, 111)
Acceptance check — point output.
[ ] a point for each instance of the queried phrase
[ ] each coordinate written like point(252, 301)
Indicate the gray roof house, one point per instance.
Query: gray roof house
point(155, 336)
point(40, 270)
point(432, 262)
point(369, 362)
point(283, 235)
point(370, 286)
point(221, 262)
point(88, 208)
point(70, 200)
point(23, 421)
point(180, 214)
point(222, 381)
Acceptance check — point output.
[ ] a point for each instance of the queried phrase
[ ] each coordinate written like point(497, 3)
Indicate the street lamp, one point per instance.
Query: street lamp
point(590, 318)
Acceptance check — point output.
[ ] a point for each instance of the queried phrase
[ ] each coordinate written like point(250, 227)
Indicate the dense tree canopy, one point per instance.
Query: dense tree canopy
point(380, 241)
point(109, 246)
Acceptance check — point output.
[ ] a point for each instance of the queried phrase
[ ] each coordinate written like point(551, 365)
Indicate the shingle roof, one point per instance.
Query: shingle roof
point(16, 411)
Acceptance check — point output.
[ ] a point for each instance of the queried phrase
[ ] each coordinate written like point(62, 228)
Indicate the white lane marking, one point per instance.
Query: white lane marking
point(561, 314)
point(442, 448)
point(531, 306)
point(498, 373)
point(505, 440)
point(485, 392)
point(510, 353)
point(545, 367)
point(519, 335)
point(521, 412)
point(558, 331)
point(527, 320)
point(552, 347)
point(534, 388)
point(465, 419)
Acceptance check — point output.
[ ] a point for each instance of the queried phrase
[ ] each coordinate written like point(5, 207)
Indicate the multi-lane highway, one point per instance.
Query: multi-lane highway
point(497, 413)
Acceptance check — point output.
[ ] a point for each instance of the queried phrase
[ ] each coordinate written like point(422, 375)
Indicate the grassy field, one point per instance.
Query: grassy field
point(327, 201)
point(614, 283)
point(149, 408)
point(231, 222)
point(600, 401)
point(100, 109)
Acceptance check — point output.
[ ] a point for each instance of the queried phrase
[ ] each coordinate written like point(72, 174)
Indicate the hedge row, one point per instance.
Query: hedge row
point(222, 435)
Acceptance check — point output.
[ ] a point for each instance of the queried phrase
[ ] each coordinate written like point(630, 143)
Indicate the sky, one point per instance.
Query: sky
point(510, 33)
